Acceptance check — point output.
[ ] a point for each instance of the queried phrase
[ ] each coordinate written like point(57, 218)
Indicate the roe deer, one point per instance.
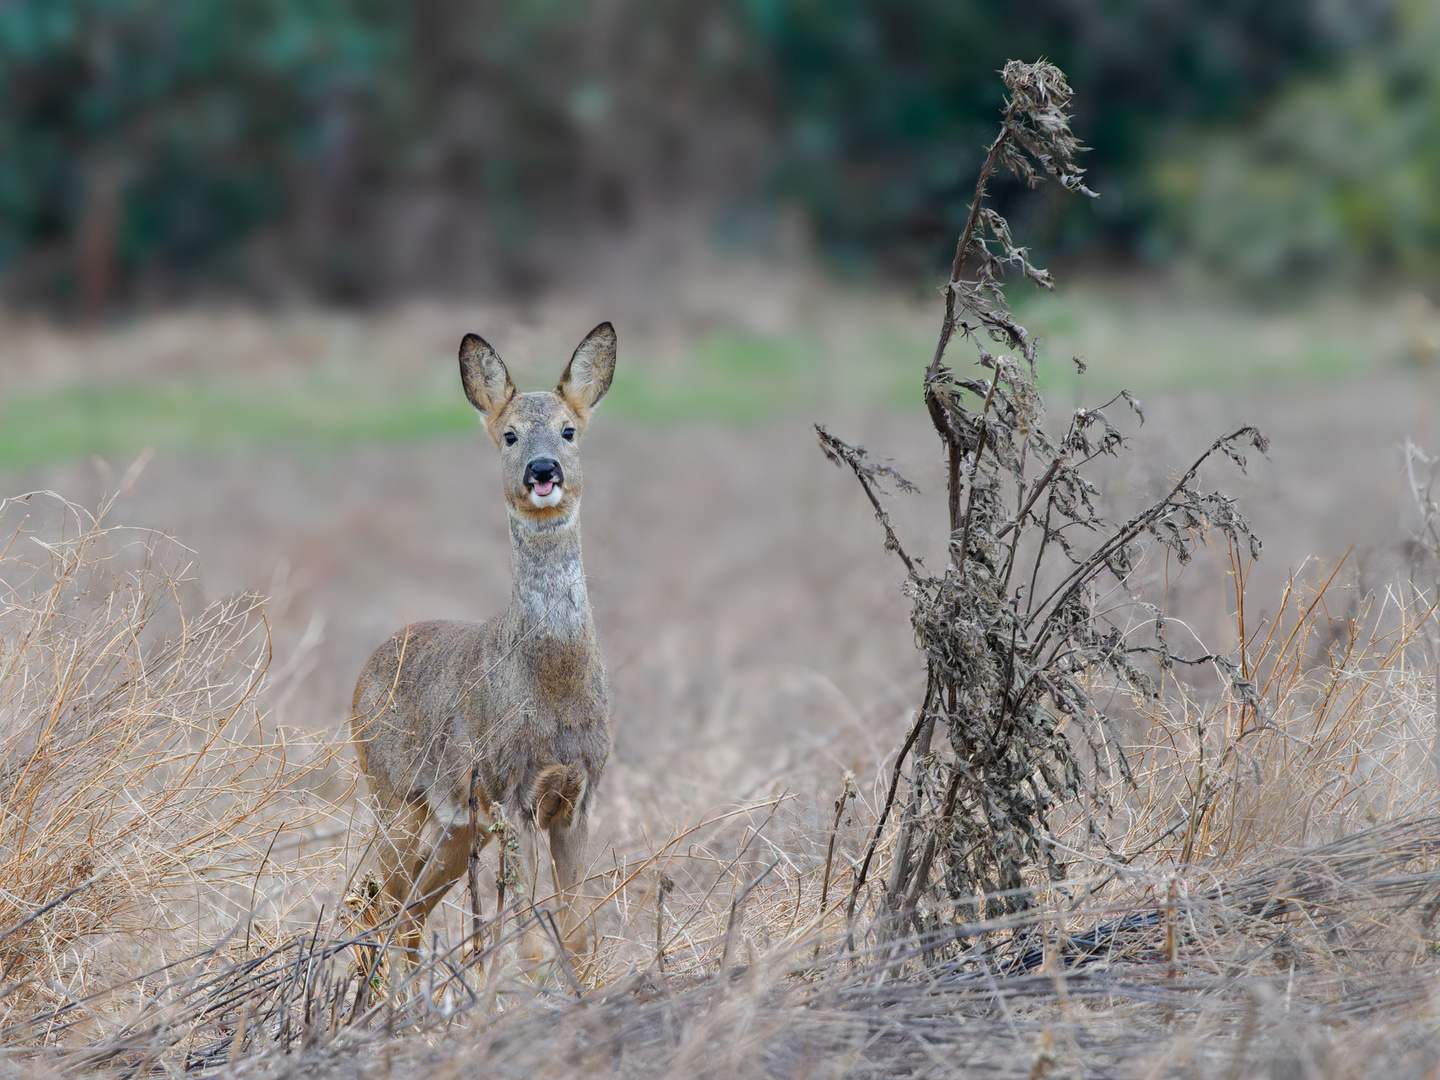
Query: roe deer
point(521, 699)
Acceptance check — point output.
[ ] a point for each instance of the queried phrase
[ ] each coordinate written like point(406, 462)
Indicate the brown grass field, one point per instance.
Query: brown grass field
point(182, 822)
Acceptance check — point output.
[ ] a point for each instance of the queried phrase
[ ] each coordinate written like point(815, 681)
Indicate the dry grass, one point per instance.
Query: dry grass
point(1332, 726)
point(172, 867)
point(141, 790)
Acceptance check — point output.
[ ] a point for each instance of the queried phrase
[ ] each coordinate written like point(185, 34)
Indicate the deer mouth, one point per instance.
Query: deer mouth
point(545, 493)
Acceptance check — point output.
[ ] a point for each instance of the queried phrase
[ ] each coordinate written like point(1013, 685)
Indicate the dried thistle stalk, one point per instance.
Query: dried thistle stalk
point(1013, 641)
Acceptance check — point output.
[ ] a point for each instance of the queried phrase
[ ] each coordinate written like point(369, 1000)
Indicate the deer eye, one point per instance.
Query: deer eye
point(568, 434)
point(509, 438)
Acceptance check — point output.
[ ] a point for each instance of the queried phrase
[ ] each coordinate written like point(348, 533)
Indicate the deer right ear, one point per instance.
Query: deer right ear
point(590, 370)
point(487, 383)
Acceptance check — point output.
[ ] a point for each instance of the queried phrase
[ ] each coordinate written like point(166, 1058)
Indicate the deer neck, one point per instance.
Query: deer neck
point(548, 596)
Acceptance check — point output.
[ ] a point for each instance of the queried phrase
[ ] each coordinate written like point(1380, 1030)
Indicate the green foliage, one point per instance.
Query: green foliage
point(198, 111)
point(1336, 177)
point(884, 106)
point(160, 136)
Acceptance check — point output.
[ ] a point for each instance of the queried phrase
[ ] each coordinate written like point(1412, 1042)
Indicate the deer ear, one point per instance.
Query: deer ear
point(487, 383)
point(590, 370)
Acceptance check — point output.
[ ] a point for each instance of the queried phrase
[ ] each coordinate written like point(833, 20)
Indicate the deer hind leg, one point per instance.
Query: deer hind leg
point(417, 873)
point(399, 840)
point(444, 865)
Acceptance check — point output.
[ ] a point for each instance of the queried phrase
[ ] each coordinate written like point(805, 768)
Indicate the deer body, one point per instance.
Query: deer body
point(520, 701)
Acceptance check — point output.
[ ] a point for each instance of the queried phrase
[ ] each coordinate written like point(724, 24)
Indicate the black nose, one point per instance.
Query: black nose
point(544, 470)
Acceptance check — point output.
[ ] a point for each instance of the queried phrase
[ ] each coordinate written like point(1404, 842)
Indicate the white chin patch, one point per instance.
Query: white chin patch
point(551, 498)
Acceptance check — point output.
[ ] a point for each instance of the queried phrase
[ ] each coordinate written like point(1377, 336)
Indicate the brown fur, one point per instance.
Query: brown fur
point(557, 793)
point(521, 698)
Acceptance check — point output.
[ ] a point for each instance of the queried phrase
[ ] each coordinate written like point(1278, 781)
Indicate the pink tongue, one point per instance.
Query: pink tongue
point(544, 489)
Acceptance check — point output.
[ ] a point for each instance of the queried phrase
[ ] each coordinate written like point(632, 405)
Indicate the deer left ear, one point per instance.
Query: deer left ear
point(590, 370)
point(487, 383)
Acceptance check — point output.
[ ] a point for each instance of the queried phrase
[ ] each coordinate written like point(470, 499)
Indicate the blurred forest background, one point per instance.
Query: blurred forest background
point(355, 151)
